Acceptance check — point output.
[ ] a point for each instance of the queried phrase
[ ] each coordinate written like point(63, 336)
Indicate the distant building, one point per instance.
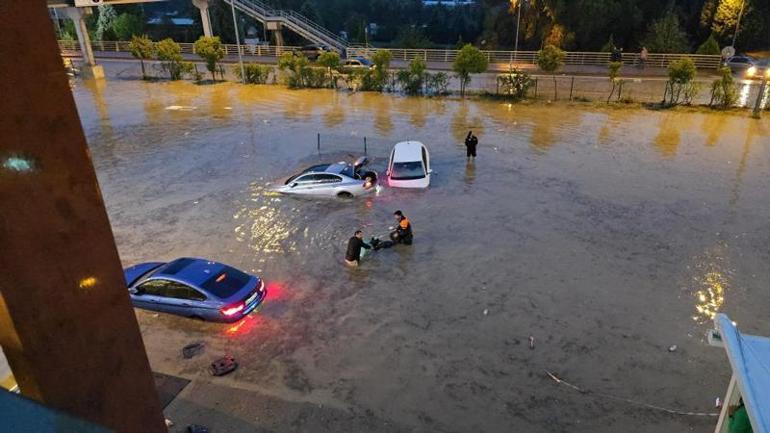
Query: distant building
point(450, 3)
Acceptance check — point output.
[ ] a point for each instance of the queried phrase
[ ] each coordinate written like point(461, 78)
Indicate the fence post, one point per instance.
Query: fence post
point(571, 87)
point(319, 142)
point(365, 150)
point(536, 80)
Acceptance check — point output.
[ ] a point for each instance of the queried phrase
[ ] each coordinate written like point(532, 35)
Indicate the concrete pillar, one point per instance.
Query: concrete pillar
point(90, 69)
point(203, 6)
point(66, 322)
point(277, 29)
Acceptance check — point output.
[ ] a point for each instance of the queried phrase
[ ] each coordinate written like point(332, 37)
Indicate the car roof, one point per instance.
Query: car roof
point(189, 270)
point(337, 168)
point(408, 151)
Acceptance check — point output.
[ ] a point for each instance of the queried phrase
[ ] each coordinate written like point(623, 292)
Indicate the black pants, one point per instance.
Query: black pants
point(471, 151)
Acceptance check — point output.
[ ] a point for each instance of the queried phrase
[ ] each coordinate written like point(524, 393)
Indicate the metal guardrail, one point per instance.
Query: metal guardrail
point(529, 57)
point(186, 48)
point(437, 56)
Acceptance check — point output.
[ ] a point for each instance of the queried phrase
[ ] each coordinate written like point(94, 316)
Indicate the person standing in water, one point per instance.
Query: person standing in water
point(403, 231)
point(353, 254)
point(470, 145)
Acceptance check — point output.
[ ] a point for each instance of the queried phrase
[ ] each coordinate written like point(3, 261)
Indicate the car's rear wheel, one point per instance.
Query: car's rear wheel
point(344, 195)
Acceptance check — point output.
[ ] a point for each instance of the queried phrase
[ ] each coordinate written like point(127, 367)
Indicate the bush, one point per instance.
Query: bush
point(680, 86)
point(709, 47)
point(142, 48)
point(296, 65)
point(210, 49)
point(723, 91)
point(255, 73)
point(331, 61)
point(515, 83)
point(412, 80)
point(437, 84)
point(469, 60)
point(170, 55)
point(613, 71)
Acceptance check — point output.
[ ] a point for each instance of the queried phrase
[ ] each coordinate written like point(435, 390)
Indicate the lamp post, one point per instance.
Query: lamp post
point(758, 105)
point(238, 42)
point(738, 23)
point(517, 5)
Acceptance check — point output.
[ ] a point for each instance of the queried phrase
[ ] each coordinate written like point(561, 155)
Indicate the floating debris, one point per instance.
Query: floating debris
point(531, 343)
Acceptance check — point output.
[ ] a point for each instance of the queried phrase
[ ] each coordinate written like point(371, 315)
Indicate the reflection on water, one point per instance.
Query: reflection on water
point(710, 283)
point(263, 225)
point(669, 135)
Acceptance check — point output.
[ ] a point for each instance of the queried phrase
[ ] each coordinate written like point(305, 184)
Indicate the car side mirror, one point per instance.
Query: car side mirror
point(134, 291)
point(293, 184)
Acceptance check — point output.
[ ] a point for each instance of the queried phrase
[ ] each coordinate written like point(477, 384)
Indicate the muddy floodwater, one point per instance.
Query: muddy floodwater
point(607, 235)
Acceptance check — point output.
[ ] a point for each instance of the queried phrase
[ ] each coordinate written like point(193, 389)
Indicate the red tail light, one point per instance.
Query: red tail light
point(232, 310)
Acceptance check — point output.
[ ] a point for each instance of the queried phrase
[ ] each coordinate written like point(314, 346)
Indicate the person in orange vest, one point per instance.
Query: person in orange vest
point(403, 231)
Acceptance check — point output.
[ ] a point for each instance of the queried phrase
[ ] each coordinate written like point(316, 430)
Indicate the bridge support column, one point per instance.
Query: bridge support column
point(203, 6)
point(277, 30)
point(67, 325)
point(90, 69)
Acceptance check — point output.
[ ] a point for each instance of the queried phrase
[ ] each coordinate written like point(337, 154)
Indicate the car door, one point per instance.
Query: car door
point(326, 184)
point(304, 184)
point(153, 295)
point(185, 300)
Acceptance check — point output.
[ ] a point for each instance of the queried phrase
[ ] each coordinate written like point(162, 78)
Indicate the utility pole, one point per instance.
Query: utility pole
point(759, 105)
point(517, 4)
point(738, 23)
point(238, 42)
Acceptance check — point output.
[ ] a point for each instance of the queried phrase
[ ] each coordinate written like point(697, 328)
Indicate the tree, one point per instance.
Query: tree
point(331, 61)
point(127, 25)
point(298, 67)
point(680, 86)
point(210, 49)
point(142, 48)
point(310, 11)
point(614, 73)
point(469, 60)
point(412, 79)
point(104, 22)
point(726, 16)
point(710, 47)
point(609, 46)
point(170, 55)
point(550, 59)
point(666, 36)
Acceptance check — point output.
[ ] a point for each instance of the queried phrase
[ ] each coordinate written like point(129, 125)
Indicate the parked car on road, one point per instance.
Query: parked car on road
point(196, 288)
point(746, 66)
point(409, 165)
point(314, 51)
point(358, 63)
point(343, 180)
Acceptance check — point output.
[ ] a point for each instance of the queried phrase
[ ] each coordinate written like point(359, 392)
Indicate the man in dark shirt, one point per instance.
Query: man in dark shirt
point(403, 231)
point(353, 255)
point(470, 145)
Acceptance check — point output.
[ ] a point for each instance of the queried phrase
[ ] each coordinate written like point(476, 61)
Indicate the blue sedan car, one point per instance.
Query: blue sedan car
point(195, 288)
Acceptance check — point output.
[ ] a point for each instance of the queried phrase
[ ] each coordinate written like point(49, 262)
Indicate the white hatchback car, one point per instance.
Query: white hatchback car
point(409, 165)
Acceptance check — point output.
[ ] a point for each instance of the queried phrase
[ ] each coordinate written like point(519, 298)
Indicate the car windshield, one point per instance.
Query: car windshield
point(407, 170)
point(226, 283)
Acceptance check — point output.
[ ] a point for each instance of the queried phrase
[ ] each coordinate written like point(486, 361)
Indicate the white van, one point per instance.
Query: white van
point(409, 165)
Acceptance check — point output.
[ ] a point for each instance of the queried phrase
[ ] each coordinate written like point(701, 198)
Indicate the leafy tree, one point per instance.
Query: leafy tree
point(680, 86)
point(170, 55)
point(142, 48)
point(723, 91)
point(210, 49)
point(710, 46)
point(609, 46)
point(515, 83)
point(726, 16)
point(331, 61)
point(614, 73)
point(104, 21)
point(550, 59)
point(666, 36)
point(310, 10)
point(127, 25)
point(469, 60)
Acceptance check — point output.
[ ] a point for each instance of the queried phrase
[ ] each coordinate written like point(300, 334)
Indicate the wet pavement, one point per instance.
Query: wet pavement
point(608, 235)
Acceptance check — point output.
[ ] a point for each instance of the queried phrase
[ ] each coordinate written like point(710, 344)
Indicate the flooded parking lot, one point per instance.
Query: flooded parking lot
point(607, 235)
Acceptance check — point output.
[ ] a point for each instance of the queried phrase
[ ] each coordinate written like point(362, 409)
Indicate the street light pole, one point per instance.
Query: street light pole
point(758, 106)
point(518, 22)
point(238, 42)
point(738, 23)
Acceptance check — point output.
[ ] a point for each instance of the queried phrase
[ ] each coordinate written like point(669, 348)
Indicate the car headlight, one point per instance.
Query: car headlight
point(752, 71)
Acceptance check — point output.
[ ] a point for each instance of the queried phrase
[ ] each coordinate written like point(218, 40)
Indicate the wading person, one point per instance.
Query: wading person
point(403, 231)
point(643, 55)
point(353, 254)
point(470, 145)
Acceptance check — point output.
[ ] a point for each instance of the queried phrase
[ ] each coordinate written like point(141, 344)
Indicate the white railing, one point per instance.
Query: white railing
point(73, 47)
point(529, 57)
point(435, 56)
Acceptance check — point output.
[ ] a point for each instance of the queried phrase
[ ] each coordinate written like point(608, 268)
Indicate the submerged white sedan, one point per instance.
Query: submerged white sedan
point(342, 180)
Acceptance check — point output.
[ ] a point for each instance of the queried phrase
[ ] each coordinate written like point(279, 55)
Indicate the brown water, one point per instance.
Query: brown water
point(607, 235)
